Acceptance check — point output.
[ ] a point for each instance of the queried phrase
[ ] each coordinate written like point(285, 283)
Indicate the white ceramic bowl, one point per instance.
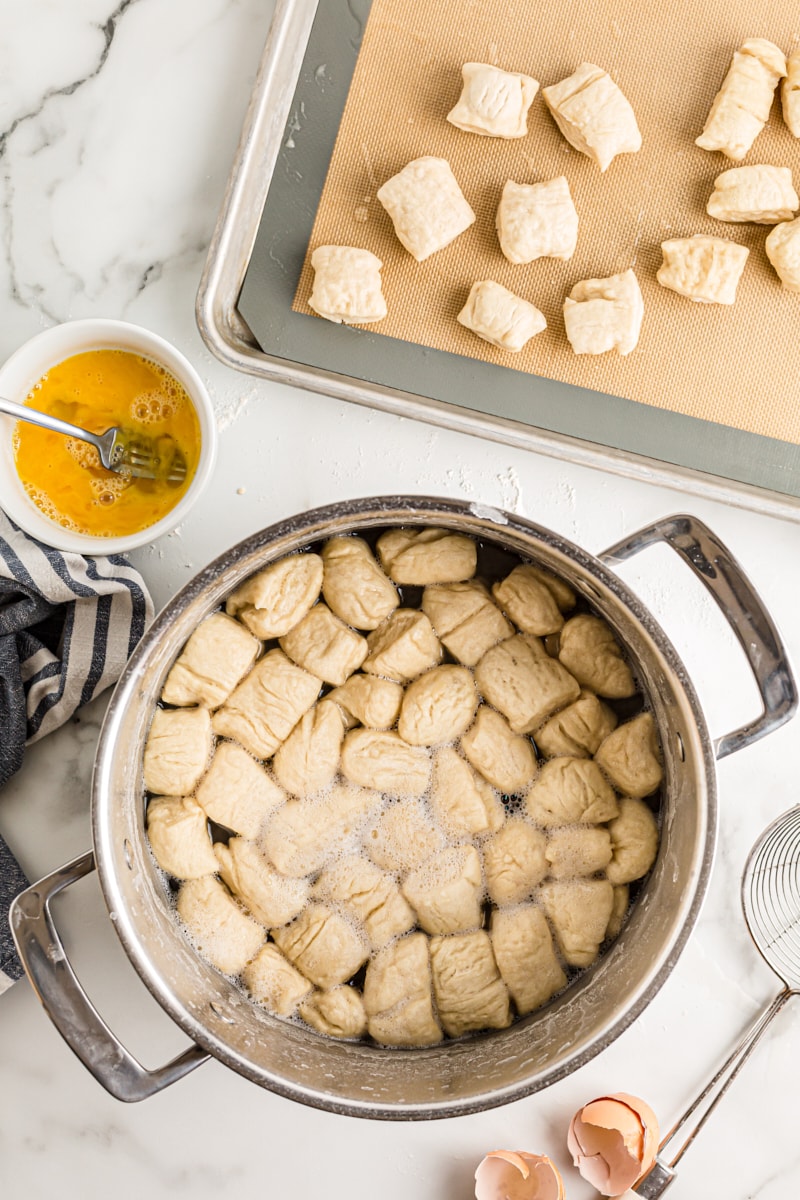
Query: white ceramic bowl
point(27, 365)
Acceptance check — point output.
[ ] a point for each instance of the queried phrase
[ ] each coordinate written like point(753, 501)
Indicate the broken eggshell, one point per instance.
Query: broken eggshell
point(613, 1142)
point(516, 1175)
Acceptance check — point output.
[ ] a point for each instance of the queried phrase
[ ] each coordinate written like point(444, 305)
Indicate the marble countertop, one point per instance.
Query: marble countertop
point(119, 125)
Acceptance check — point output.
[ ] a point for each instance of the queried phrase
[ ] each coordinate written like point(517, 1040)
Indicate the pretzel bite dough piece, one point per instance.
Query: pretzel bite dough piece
point(216, 656)
point(398, 997)
point(619, 910)
point(438, 707)
point(262, 711)
point(740, 109)
point(236, 792)
point(381, 759)
point(269, 896)
point(325, 947)
point(402, 837)
point(418, 557)
point(537, 220)
point(704, 269)
point(524, 952)
point(272, 981)
point(578, 850)
point(500, 317)
point(272, 601)
point(590, 652)
point(220, 930)
point(337, 1013)
point(308, 760)
point(528, 601)
point(783, 251)
point(370, 894)
point(578, 729)
point(465, 619)
point(354, 587)
point(631, 756)
point(493, 102)
point(470, 993)
point(446, 891)
point(790, 94)
point(505, 759)
point(514, 862)
point(523, 682)
point(347, 285)
point(463, 803)
point(762, 194)
point(325, 646)
point(570, 791)
point(579, 911)
point(178, 834)
point(369, 700)
point(593, 115)
point(426, 205)
point(403, 647)
point(303, 835)
point(177, 750)
point(634, 841)
point(604, 314)
point(561, 592)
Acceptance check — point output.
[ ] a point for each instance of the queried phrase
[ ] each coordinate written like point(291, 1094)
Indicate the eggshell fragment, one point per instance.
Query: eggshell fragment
point(614, 1142)
point(516, 1175)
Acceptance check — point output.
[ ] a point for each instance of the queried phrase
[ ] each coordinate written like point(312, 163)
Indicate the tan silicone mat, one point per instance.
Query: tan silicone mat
point(737, 366)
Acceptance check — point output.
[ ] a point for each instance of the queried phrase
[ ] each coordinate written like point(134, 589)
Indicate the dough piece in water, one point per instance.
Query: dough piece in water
point(354, 587)
point(578, 850)
point(398, 996)
point(370, 894)
point(470, 993)
point(236, 792)
point(524, 952)
point(571, 791)
point(578, 729)
point(537, 220)
point(493, 102)
point(272, 981)
point(790, 94)
point(426, 205)
point(741, 107)
point(590, 652)
point(381, 759)
point(704, 269)
point(619, 910)
point(325, 646)
point(304, 834)
point(500, 317)
point(579, 911)
point(403, 647)
point(560, 590)
point(322, 945)
point(402, 837)
point(178, 834)
point(445, 892)
point(604, 314)
point(465, 619)
point(783, 251)
point(308, 760)
point(528, 601)
point(461, 800)
point(514, 862)
point(418, 557)
point(177, 750)
point(523, 682)
point(505, 759)
point(369, 700)
point(347, 285)
point(438, 707)
point(263, 710)
point(634, 841)
point(272, 601)
point(594, 115)
point(216, 656)
point(762, 194)
point(269, 896)
point(631, 756)
point(337, 1013)
point(219, 928)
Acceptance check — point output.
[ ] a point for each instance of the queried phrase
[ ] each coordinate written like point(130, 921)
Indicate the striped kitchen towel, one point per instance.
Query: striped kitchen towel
point(68, 624)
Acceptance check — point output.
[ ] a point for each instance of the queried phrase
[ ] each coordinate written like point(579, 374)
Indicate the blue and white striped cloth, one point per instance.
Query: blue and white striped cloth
point(68, 624)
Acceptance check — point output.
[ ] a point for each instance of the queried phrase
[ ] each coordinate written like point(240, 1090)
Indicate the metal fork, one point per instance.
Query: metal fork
point(120, 450)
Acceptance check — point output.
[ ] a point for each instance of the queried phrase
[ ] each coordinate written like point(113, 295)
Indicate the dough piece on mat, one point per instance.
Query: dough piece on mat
point(398, 996)
point(604, 314)
point(216, 656)
point(537, 220)
point(402, 837)
point(528, 601)
point(783, 251)
point(308, 760)
point(370, 894)
point(177, 750)
point(579, 911)
point(354, 587)
point(762, 194)
point(634, 841)
point(325, 646)
point(570, 791)
point(499, 316)
point(178, 834)
point(445, 892)
point(505, 759)
point(325, 947)
point(403, 646)
point(272, 601)
point(219, 928)
point(519, 678)
point(465, 619)
point(237, 792)
point(593, 115)
point(790, 94)
point(524, 952)
point(274, 982)
point(578, 729)
point(590, 652)
point(514, 862)
point(426, 205)
point(438, 707)
point(578, 850)
point(741, 107)
point(381, 759)
point(347, 285)
point(704, 269)
point(493, 102)
point(369, 700)
point(304, 834)
point(269, 896)
point(338, 1012)
point(470, 993)
point(419, 557)
point(263, 710)
point(462, 801)
point(631, 756)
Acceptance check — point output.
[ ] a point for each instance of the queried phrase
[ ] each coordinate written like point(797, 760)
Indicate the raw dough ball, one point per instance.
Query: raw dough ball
point(578, 850)
point(705, 269)
point(347, 285)
point(403, 837)
point(470, 993)
point(561, 592)
point(269, 896)
point(604, 314)
point(783, 251)
point(790, 94)
point(354, 586)
point(619, 910)
point(427, 207)
point(463, 803)
point(537, 220)
point(593, 115)
point(370, 894)
point(494, 103)
point(369, 700)
point(178, 835)
point(741, 106)
point(177, 750)
point(419, 557)
point(524, 952)
point(631, 756)
point(262, 711)
point(304, 834)
point(438, 707)
point(397, 995)
point(465, 619)
point(505, 759)
point(579, 911)
point(499, 316)
point(216, 656)
point(445, 892)
point(634, 841)
point(323, 945)
point(308, 760)
point(569, 791)
point(528, 601)
point(272, 601)
point(578, 729)
point(403, 647)
point(523, 682)
point(325, 646)
point(762, 194)
point(220, 930)
point(514, 861)
point(381, 759)
point(274, 982)
point(589, 650)
point(338, 1013)
point(237, 792)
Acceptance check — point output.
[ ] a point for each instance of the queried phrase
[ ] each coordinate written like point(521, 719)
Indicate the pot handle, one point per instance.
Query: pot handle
point(718, 570)
point(67, 1005)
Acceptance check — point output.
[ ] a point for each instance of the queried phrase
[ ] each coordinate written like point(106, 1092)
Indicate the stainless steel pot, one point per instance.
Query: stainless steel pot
point(453, 1078)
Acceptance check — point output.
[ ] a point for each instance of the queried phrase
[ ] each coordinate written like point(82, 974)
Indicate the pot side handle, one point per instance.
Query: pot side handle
point(67, 1005)
point(723, 577)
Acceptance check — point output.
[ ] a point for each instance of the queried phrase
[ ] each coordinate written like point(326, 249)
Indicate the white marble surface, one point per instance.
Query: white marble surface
point(118, 130)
